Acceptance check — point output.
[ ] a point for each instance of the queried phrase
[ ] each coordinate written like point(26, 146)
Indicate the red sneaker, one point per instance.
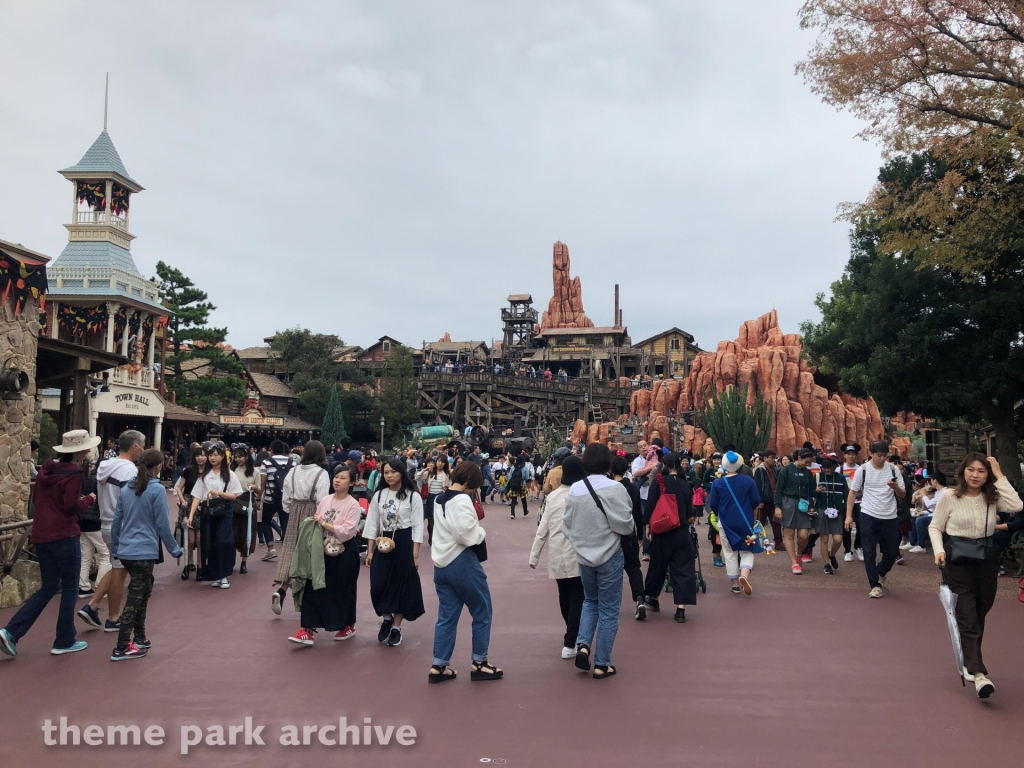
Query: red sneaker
point(806, 558)
point(302, 637)
point(346, 633)
point(797, 570)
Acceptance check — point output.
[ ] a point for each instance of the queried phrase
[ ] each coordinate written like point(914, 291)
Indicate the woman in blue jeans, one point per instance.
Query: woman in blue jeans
point(598, 512)
point(56, 536)
point(457, 550)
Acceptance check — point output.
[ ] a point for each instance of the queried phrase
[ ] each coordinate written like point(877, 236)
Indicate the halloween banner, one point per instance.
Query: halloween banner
point(119, 200)
point(24, 281)
point(92, 193)
point(81, 320)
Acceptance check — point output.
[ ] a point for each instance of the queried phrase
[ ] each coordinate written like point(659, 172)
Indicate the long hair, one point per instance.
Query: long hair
point(225, 470)
point(397, 463)
point(151, 457)
point(250, 467)
point(988, 490)
point(445, 469)
point(195, 464)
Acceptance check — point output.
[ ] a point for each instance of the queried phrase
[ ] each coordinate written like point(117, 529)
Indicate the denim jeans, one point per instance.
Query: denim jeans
point(879, 534)
point(602, 590)
point(461, 583)
point(59, 564)
point(919, 533)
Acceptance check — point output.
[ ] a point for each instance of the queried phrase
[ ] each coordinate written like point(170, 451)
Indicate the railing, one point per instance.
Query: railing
point(112, 277)
point(142, 377)
point(576, 387)
point(99, 218)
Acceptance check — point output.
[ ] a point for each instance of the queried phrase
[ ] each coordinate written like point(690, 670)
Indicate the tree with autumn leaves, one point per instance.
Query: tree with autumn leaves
point(939, 241)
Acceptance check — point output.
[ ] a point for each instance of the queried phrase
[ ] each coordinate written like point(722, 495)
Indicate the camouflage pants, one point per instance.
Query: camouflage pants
point(133, 617)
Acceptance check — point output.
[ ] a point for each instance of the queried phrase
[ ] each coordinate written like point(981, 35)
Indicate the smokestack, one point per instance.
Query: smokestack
point(620, 319)
point(617, 315)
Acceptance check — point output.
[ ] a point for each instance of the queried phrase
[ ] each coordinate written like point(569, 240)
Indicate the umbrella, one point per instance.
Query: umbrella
point(248, 523)
point(948, 599)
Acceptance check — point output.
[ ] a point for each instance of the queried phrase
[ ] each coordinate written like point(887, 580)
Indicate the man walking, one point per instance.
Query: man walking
point(111, 476)
point(766, 477)
point(852, 543)
point(880, 485)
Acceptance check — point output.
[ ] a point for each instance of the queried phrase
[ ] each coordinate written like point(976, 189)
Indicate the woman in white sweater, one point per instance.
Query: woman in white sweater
point(459, 578)
point(969, 511)
point(562, 564)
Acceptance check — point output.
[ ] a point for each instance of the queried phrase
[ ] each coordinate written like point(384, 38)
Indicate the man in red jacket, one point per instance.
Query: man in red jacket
point(55, 534)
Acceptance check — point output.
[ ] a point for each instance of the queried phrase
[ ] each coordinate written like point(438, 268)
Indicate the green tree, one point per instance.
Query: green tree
point(398, 398)
point(728, 420)
point(49, 436)
point(191, 339)
point(915, 335)
point(332, 430)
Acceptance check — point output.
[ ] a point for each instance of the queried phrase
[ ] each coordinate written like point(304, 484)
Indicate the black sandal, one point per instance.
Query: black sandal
point(443, 674)
point(583, 657)
point(184, 574)
point(483, 670)
point(606, 670)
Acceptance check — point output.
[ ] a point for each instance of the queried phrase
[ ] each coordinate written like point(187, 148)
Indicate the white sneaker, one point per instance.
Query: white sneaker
point(215, 583)
point(983, 686)
point(967, 675)
point(917, 550)
point(568, 653)
point(906, 545)
point(848, 557)
point(224, 584)
point(860, 555)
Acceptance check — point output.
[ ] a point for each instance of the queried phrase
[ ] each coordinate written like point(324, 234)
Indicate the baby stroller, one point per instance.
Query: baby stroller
point(701, 584)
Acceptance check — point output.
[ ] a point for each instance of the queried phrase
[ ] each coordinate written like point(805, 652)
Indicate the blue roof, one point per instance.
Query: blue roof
point(98, 254)
point(102, 157)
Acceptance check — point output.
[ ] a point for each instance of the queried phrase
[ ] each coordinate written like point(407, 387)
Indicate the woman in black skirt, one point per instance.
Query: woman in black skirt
point(830, 504)
point(243, 522)
point(333, 608)
point(216, 491)
point(396, 512)
point(183, 490)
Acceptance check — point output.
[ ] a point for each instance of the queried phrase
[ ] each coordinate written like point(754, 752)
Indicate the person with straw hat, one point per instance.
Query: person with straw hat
point(56, 537)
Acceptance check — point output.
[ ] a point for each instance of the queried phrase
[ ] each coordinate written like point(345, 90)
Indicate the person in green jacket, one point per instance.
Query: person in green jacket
point(794, 505)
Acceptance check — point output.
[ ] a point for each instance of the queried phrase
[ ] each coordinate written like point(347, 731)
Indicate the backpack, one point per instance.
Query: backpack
point(666, 512)
point(277, 494)
point(515, 479)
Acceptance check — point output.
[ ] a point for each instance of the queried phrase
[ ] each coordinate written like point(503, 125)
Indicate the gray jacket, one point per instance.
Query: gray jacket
point(595, 535)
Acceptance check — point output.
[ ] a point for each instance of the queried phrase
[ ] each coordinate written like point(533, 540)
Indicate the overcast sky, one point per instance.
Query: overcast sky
point(401, 167)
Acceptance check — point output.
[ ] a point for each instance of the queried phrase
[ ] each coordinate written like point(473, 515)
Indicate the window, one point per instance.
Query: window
point(675, 344)
point(387, 346)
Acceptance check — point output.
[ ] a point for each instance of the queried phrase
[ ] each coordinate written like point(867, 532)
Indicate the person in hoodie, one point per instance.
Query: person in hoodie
point(598, 513)
point(457, 551)
point(735, 499)
point(140, 523)
point(56, 537)
point(562, 564)
point(112, 475)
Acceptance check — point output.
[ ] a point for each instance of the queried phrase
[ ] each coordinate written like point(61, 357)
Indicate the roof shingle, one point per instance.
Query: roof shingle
point(101, 157)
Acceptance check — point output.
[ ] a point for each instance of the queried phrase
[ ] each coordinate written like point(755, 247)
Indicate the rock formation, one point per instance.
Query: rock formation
point(446, 339)
point(769, 362)
point(565, 310)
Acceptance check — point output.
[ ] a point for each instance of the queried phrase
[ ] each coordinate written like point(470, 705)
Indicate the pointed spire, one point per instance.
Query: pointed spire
point(106, 93)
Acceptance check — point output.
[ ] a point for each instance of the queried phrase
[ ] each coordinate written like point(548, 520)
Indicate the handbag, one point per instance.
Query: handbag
point(756, 539)
point(425, 490)
point(967, 551)
point(700, 496)
point(666, 512)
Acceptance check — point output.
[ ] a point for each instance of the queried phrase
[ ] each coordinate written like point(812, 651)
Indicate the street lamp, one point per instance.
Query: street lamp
point(382, 435)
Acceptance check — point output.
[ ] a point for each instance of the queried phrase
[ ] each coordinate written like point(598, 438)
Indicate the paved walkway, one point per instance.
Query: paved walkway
point(794, 675)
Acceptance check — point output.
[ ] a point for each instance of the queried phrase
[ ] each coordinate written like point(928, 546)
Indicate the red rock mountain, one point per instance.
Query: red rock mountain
point(769, 362)
point(565, 310)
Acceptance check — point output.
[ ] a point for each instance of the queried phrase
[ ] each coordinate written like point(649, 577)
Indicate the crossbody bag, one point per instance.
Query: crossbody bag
point(964, 550)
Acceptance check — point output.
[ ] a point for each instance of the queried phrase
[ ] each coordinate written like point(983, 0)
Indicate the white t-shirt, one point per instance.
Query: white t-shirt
point(212, 482)
point(877, 499)
point(639, 463)
point(930, 502)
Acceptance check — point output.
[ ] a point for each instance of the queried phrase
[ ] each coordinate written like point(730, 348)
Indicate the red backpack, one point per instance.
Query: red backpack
point(666, 511)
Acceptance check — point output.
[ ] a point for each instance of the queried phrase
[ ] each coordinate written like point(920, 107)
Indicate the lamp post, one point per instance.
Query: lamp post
point(382, 435)
point(478, 415)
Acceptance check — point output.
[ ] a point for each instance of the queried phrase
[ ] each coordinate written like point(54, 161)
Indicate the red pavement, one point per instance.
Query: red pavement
point(791, 676)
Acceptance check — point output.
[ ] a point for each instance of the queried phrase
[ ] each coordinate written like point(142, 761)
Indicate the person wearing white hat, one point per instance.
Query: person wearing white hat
point(735, 500)
point(56, 537)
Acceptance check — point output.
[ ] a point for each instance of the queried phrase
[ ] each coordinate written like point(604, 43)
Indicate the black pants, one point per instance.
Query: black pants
point(975, 588)
point(716, 547)
point(570, 602)
point(811, 541)
point(673, 552)
point(267, 519)
point(879, 534)
point(631, 565)
point(140, 589)
point(526, 510)
point(857, 542)
point(768, 518)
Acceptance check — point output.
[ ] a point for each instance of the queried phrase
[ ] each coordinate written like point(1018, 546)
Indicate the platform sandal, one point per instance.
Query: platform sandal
point(483, 670)
point(606, 670)
point(583, 657)
point(443, 674)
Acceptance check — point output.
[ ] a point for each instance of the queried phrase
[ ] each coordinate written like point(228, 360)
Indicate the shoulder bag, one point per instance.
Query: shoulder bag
point(666, 512)
point(757, 538)
point(967, 551)
point(386, 544)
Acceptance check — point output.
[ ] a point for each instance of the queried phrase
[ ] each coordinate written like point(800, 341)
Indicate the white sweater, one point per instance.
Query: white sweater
point(562, 563)
point(965, 516)
point(455, 529)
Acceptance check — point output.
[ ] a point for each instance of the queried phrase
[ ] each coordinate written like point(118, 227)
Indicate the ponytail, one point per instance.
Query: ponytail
point(150, 458)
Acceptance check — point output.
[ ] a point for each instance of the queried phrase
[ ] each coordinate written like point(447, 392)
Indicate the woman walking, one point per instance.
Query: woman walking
point(215, 492)
point(394, 532)
point(830, 503)
point(436, 479)
point(961, 533)
point(735, 500)
point(243, 521)
point(562, 564)
point(304, 487)
point(516, 489)
point(333, 608)
point(183, 490)
point(711, 473)
point(459, 577)
point(671, 550)
point(56, 537)
point(140, 524)
point(598, 512)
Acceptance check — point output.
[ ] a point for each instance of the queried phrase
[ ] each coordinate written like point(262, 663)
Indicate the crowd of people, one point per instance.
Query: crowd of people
point(321, 515)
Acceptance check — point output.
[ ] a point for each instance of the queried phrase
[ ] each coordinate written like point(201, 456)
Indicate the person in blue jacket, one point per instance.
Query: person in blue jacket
point(735, 499)
point(141, 522)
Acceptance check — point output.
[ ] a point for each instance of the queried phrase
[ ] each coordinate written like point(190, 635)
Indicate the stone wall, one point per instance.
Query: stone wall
point(18, 343)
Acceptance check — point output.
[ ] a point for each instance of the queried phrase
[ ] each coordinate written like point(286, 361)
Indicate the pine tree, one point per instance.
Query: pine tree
point(333, 428)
